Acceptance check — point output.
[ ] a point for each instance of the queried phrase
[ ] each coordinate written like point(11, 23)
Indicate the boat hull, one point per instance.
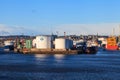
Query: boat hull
point(92, 50)
point(111, 43)
point(109, 47)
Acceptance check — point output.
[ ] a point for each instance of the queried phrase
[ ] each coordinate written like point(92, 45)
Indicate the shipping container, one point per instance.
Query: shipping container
point(28, 44)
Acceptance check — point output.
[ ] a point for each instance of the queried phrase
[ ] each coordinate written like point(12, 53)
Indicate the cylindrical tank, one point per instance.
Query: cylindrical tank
point(71, 43)
point(43, 42)
point(34, 43)
point(61, 43)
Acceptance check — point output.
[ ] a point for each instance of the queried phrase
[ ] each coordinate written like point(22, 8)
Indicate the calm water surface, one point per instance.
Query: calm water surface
point(105, 65)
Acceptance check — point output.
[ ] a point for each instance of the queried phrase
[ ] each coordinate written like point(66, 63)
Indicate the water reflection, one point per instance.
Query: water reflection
point(40, 56)
point(60, 66)
point(59, 56)
point(108, 53)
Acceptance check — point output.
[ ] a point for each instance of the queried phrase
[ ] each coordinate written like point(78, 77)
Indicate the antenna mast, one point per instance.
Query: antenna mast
point(113, 31)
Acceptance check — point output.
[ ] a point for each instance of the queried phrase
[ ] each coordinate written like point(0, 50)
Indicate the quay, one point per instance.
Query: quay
point(51, 51)
point(48, 51)
point(54, 52)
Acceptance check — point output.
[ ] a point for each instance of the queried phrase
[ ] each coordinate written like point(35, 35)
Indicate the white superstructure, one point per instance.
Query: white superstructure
point(8, 43)
point(103, 40)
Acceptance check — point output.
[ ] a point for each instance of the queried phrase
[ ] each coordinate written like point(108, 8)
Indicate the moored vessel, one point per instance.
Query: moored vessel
point(8, 45)
point(111, 43)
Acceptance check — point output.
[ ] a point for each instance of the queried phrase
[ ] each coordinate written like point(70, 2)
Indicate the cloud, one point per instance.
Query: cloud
point(14, 30)
point(85, 29)
point(18, 30)
point(70, 29)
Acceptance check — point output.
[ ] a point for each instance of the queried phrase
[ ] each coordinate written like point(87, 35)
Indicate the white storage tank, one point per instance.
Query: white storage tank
point(34, 43)
point(61, 43)
point(43, 42)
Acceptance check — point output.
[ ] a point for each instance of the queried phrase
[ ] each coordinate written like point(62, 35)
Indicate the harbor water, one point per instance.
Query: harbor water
point(105, 65)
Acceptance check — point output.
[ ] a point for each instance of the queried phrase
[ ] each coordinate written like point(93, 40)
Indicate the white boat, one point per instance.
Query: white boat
point(8, 45)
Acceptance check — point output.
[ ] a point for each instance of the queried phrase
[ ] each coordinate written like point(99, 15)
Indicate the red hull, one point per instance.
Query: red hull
point(111, 43)
point(109, 47)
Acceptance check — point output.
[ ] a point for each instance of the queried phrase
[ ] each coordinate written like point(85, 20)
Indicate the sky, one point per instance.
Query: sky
point(36, 17)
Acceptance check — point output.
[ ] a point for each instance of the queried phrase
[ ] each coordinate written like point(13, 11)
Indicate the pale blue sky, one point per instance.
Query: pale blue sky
point(45, 16)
